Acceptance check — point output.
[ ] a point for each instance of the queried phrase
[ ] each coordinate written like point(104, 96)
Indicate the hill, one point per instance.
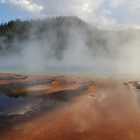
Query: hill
point(58, 31)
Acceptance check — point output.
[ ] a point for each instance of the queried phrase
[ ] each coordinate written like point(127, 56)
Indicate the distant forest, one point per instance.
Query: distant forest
point(55, 30)
point(58, 32)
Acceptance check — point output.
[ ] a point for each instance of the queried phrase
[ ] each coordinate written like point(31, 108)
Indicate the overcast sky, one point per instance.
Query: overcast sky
point(103, 13)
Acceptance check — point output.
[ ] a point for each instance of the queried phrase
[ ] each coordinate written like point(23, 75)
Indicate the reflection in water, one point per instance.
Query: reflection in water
point(137, 93)
point(136, 86)
point(10, 89)
point(16, 106)
point(14, 110)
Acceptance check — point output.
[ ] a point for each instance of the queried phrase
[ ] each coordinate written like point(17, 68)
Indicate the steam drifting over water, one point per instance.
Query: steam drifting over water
point(68, 44)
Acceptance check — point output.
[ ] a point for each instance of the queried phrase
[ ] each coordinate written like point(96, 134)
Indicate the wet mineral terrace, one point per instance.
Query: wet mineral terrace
point(68, 107)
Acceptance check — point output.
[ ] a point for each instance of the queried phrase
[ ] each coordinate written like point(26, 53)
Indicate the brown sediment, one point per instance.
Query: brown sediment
point(101, 110)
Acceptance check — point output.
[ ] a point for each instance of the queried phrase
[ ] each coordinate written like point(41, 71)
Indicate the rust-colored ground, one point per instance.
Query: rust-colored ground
point(104, 109)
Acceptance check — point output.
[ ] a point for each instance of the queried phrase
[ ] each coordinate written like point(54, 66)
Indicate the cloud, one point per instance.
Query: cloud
point(25, 4)
point(85, 9)
point(102, 13)
point(88, 10)
point(128, 3)
point(128, 10)
point(81, 8)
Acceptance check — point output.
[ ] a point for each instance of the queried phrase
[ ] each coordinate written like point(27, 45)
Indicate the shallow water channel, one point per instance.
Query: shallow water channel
point(17, 109)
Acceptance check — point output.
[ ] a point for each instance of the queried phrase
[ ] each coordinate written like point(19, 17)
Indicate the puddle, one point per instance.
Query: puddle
point(136, 85)
point(14, 77)
point(16, 106)
point(137, 94)
point(18, 109)
point(12, 88)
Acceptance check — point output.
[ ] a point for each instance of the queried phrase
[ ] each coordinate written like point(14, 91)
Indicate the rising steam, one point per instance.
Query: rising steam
point(84, 49)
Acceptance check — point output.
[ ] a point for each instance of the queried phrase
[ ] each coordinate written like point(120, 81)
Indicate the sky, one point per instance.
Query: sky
point(102, 13)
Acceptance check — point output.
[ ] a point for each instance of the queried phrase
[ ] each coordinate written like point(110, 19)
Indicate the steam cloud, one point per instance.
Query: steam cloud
point(118, 54)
